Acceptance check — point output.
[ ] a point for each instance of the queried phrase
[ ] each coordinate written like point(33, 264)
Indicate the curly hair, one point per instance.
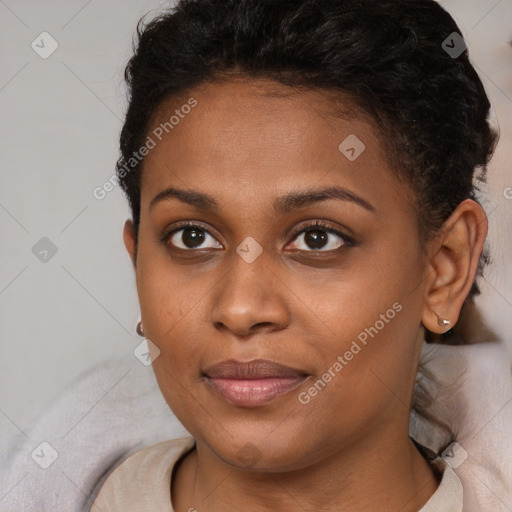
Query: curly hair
point(389, 57)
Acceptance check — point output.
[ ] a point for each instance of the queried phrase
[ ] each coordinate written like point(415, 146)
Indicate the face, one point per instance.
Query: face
point(320, 292)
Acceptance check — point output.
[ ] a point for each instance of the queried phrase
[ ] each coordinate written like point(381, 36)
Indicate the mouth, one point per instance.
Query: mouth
point(252, 383)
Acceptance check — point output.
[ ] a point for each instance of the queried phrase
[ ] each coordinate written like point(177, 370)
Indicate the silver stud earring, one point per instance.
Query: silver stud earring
point(140, 329)
point(443, 322)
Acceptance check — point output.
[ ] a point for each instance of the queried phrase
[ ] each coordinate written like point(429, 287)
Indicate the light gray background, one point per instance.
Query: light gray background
point(59, 129)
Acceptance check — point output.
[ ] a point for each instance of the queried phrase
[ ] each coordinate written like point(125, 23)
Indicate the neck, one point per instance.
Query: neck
point(386, 474)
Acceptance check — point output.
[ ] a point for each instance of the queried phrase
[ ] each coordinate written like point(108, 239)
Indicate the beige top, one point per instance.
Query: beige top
point(143, 482)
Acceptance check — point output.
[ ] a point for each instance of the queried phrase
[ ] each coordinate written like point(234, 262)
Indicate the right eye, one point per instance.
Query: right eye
point(190, 236)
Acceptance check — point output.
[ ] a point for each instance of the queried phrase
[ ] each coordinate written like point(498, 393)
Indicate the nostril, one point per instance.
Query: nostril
point(261, 324)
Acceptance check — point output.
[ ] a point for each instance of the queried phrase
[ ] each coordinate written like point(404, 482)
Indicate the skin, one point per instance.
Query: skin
point(348, 448)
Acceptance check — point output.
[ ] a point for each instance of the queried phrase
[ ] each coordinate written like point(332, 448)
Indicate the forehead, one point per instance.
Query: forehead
point(244, 113)
point(257, 137)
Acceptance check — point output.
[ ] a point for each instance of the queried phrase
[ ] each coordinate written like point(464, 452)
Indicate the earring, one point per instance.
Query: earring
point(442, 321)
point(140, 329)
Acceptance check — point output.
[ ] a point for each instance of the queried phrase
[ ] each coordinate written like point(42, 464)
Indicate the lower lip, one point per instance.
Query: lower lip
point(253, 392)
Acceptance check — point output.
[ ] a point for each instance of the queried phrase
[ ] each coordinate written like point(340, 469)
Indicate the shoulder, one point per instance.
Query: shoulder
point(142, 481)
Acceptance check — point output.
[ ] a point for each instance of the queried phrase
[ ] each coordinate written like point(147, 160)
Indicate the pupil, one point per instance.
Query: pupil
point(192, 237)
point(317, 239)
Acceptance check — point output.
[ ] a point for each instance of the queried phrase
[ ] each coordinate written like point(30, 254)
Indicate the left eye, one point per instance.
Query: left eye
point(318, 237)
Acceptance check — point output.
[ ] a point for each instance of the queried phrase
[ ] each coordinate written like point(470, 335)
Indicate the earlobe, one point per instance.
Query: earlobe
point(453, 265)
point(129, 241)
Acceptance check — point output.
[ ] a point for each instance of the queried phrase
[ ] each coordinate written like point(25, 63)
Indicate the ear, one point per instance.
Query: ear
point(129, 241)
point(453, 263)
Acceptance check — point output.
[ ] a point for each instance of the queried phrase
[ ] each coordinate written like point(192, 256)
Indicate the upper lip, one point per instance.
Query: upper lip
point(255, 369)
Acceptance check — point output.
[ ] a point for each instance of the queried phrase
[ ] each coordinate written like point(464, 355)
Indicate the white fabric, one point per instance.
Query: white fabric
point(475, 399)
point(117, 410)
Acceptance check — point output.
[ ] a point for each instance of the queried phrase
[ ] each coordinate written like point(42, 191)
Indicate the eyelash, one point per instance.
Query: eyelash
point(322, 226)
point(318, 224)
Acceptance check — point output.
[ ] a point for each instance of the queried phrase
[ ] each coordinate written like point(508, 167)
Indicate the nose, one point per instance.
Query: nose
point(250, 298)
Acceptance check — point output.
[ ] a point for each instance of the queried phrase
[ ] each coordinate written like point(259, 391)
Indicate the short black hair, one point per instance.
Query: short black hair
point(403, 63)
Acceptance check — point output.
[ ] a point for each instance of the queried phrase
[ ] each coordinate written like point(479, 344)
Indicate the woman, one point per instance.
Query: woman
point(301, 180)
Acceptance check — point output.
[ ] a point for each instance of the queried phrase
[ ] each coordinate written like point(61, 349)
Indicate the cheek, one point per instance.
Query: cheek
point(175, 314)
point(366, 376)
point(166, 296)
point(368, 332)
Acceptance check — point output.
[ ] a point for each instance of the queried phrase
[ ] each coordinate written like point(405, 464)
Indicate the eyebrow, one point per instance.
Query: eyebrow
point(283, 204)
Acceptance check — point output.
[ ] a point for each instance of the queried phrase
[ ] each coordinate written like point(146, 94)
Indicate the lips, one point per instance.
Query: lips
point(252, 383)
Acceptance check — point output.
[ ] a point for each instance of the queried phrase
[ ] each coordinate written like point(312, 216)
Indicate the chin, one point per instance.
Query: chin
point(258, 452)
